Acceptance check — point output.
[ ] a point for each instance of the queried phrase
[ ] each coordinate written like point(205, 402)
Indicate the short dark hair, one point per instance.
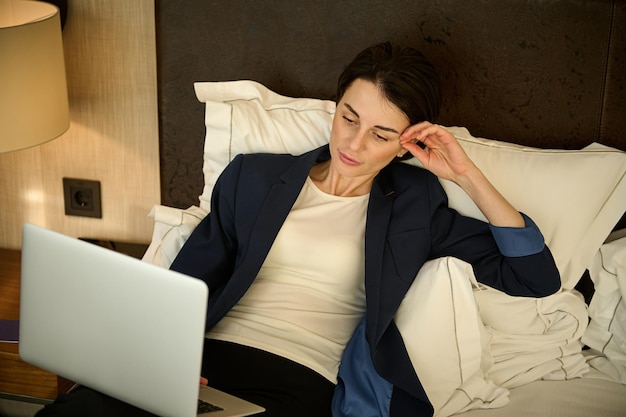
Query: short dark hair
point(403, 74)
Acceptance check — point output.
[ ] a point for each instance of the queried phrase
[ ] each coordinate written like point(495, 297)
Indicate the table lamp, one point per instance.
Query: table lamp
point(33, 90)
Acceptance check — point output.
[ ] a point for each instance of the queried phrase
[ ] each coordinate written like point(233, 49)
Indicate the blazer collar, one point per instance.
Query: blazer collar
point(298, 172)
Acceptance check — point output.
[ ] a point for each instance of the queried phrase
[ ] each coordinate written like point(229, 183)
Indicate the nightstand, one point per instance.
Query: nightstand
point(19, 380)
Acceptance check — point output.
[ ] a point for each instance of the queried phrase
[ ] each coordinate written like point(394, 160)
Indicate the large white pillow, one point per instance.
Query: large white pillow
point(576, 197)
point(440, 308)
point(246, 117)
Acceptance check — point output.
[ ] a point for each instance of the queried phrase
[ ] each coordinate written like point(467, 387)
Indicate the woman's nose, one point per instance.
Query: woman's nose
point(358, 140)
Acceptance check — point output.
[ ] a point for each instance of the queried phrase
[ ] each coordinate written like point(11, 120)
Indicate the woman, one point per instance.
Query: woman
point(297, 250)
point(283, 250)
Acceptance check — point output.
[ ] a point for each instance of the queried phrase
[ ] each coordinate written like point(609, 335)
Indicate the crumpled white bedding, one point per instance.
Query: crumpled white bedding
point(172, 227)
point(606, 333)
point(490, 348)
point(534, 339)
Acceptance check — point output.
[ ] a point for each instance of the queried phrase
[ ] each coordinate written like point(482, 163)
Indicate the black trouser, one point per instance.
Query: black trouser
point(283, 387)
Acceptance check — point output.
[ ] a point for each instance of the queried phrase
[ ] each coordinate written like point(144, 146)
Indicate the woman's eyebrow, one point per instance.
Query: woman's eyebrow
point(351, 109)
point(386, 129)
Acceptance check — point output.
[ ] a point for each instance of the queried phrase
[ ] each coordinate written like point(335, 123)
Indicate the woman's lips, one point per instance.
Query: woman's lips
point(348, 160)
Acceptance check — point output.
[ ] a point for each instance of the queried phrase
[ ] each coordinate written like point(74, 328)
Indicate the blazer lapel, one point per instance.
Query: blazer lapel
point(378, 215)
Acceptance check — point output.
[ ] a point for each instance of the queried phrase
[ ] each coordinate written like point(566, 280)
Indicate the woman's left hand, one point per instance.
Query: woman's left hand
point(443, 155)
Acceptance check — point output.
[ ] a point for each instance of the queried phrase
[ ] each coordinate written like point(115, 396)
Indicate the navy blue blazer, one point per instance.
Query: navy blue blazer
point(408, 223)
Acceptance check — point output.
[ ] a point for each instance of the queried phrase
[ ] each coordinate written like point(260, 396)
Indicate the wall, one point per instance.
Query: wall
point(110, 57)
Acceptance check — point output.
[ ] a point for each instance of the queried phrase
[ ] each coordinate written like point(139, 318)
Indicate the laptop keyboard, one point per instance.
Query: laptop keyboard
point(205, 407)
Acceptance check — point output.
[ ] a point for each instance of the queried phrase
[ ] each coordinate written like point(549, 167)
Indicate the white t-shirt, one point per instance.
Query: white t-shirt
point(309, 295)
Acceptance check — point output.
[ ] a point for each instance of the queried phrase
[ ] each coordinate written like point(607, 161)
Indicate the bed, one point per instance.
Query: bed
point(533, 90)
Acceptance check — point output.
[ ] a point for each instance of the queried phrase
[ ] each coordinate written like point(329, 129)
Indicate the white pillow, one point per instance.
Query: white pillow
point(439, 308)
point(246, 117)
point(576, 197)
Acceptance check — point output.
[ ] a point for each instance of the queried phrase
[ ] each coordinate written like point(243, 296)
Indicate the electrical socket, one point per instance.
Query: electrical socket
point(82, 197)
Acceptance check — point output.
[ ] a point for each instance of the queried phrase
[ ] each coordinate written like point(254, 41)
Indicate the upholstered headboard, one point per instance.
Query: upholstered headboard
point(548, 74)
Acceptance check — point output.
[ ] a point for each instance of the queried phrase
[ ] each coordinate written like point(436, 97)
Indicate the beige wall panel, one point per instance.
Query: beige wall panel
point(110, 57)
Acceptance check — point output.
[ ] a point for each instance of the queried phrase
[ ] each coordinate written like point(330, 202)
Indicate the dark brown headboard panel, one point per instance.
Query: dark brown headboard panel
point(542, 73)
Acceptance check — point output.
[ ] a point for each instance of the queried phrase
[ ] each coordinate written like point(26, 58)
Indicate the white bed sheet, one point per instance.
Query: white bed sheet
point(582, 397)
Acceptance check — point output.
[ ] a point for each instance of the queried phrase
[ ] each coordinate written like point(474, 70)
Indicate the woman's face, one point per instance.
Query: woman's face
point(365, 131)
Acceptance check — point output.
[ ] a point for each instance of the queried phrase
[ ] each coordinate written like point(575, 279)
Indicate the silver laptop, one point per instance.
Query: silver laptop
point(118, 325)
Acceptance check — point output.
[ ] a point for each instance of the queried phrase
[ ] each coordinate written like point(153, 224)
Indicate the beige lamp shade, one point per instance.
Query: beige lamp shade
point(33, 89)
